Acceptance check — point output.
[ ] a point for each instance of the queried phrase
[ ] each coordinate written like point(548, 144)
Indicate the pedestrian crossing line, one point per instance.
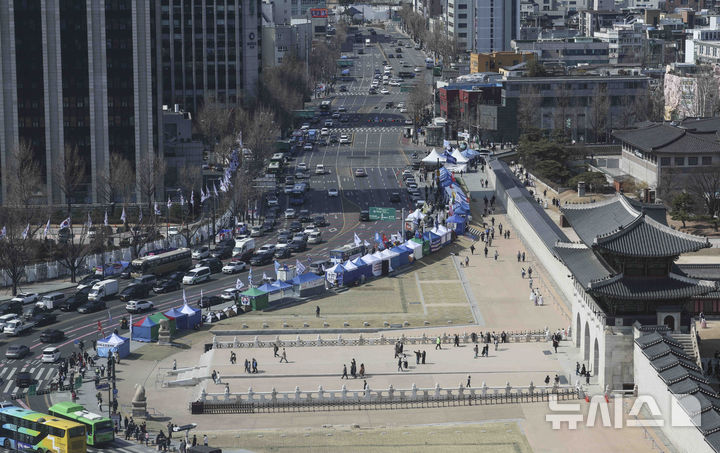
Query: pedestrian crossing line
point(10, 383)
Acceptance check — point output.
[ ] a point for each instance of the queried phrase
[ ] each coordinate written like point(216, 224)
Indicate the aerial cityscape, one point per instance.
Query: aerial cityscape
point(218, 218)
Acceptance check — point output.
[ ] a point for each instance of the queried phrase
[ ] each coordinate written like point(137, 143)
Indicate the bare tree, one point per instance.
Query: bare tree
point(150, 171)
point(119, 183)
point(705, 185)
point(562, 121)
point(598, 113)
point(418, 101)
point(214, 121)
point(190, 179)
point(24, 180)
point(16, 249)
point(73, 253)
point(529, 108)
point(708, 93)
point(69, 174)
point(259, 131)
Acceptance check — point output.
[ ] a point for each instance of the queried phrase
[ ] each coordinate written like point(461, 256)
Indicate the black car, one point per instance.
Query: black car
point(364, 216)
point(267, 226)
point(282, 252)
point(389, 105)
point(51, 335)
point(24, 379)
point(87, 279)
point(304, 216)
point(17, 351)
point(260, 259)
point(295, 226)
point(31, 310)
point(343, 88)
point(177, 276)
point(134, 291)
point(284, 238)
point(214, 264)
point(92, 306)
point(319, 221)
point(395, 197)
point(43, 319)
point(297, 246)
point(333, 138)
point(209, 301)
point(221, 252)
point(11, 307)
point(165, 286)
point(73, 302)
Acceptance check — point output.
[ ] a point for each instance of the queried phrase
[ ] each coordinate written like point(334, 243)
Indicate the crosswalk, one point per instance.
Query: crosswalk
point(352, 130)
point(122, 446)
point(42, 374)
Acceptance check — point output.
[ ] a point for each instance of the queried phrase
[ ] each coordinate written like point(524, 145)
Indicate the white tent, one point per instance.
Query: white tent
point(376, 264)
point(443, 232)
point(457, 168)
point(433, 158)
point(460, 158)
point(349, 266)
point(415, 215)
point(416, 248)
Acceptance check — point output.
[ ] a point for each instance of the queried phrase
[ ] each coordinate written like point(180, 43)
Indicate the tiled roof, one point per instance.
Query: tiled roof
point(582, 261)
point(678, 373)
point(665, 363)
point(655, 211)
point(651, 288)
point(700, 271)
point(651, 339)
point(617, 226)
point(702, 125)
point(660, 350)
point(650, 137)
point(666, 138)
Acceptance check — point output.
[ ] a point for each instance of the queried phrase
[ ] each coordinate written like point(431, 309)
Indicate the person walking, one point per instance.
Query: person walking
point(364, 384)
point(437, 343)
point(254, 365)
point(317, 311)
point(174, 364)
point(577, 368)
point(205, 440)
point(344, 375)
point(486, 251)
point(422, 360)
point(353, 369)
point(496, 343)
point(523, 257)
point(496, 255)
point(284, 357)
point(400, 368)
point(547, 380)
point(476, 350)
point(362, 370)
point(456, 341)
point(417, 357)
point(275, 350)
point(467, 261)
point(518, 256)
point(468, 381)
point(522, 272)
point(530, 271)
point(472, 249)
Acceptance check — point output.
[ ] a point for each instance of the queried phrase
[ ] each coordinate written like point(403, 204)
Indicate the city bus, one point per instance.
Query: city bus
point(99, 429)
point(325, 107)
point(29, 430)
point(347, 252)
point(162, 263)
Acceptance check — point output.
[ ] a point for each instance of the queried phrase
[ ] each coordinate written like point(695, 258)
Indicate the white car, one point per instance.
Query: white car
point(26, 298)
point(344, 139)
point(403, 110)
point(172, 231)
point(328, 123)
point(324, 131)
point(4, 319)
point(393, 83)
point(310, 229)
point(88, 284)
point(50, 354)
point(315, 237)
point(290, 213)
point(233, 267)
point(417, 69)
point(401, 105)
point(139, 306)
point(302, 166)
point(272, 200)
point(201, 252)
point(230, 294)
point(288, 188)
point(333, 192)
point(256, 232)
point(385, 91)
point(267, 248)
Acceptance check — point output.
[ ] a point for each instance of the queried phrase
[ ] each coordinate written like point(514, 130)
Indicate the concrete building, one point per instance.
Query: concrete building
point(301, 8)
point(568, 51)
point(493, 61)
point(460, 19)
point(627, 44)
point(691, 91)
point(209, 51)
point(79, 74)
point(497, 23)
point(702, 44)
point(180, 150)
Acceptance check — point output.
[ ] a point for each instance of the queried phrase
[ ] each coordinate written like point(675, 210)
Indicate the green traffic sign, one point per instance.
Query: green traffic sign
point(382, 213)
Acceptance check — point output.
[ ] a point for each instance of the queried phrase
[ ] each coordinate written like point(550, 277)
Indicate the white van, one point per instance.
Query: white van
point(197, 275)
point(104, 289)
point(50, 354)
point(50, 301)
point(244, 248)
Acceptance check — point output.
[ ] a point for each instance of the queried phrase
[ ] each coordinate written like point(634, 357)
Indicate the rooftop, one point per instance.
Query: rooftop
point(691, 136)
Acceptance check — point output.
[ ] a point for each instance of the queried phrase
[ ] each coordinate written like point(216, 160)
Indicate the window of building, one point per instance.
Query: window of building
point(707, 160)
point(665, 161)
point(679, 161)
point(692, 160)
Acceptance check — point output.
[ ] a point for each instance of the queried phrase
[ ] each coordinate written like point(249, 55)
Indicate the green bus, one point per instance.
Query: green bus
point(99, 429)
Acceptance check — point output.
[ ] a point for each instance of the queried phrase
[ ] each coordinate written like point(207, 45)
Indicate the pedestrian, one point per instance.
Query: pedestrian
point(529, 271)
point(523, 257)
point(472, 249)
point(183, 448)
point(317, 311)
point(247, 366)
point(496, 255)
point(147, 439)
point(417, 357)
point(364, 384)
point(400, 364)
point(583, 371)
point(194, 440)
point(456, 341)
point(577, 368)
point(522, 272)
point(205, 440)
point(275, 350)
point(496, 343)
point(486, 251)
point(476, 351)
point(353, 369)
point(518, 256)
point(254, 365)
point(284, 357)
point(170, 429)
point(423, 357)
point(174, 364)
point(362, 370)
point(344, 375)
point(468, 381)
point(530, 282)
point(437, 343)
point(547, 380)
point(467, 261)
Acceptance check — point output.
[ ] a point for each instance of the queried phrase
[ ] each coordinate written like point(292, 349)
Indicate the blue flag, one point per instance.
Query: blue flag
point(378, 239)
point(277, 266)
point(449, 158)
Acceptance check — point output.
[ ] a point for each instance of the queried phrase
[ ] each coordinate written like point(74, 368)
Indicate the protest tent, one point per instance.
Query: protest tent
point(308, 284)
point(459, 157)
point(269, 288)
point(434, 240)
point(284, 286)
point(394, 258)
point(415, 248)
point(157, 317)
point(254, 297)
point(403, 253)
point(181, 319)
point(374, 263)
point(456, 223)
point(363, 268)
point(352, 273)
point(444, 233)
point(335, 275)
point(433, 158)
point(145, 330)
point(194, 315)
point(416, 215)
point(113, 343)
point(424, 243)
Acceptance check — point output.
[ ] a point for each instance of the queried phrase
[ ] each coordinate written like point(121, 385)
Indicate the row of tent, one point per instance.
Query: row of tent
point(303, 285)
point(182, 318)
point(388, 260)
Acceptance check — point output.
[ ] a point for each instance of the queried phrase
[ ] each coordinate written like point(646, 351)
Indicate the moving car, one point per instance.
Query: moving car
point(384, 91)
point(290, 213)
point(51, 335)
point(272, 200)
point(43, 319)
point(50, 354)
point(201, 252)
point(319, 221)
point(295, 227)
point(319, 169)
point(209, 301)
point(282, 251)
point(332, 192)
point(139, 306)
point(298, 245)
point(231, 294)
point(26, 298)
point(5, 319)
point(73, 302)
point(395, 197)
point(304, 216)
point(302, 166)
point(344, 139)
point(315, 237)
point(214, 264)
point(197, 275)
point(364, 216)
point(23, 379)
point(17, 351)
point(91, 306)
point(233, 267)
point(89, 283)
point(255, 232)
point(360, 172)
point(166, 286)
point(134, 291)
point(260, 259)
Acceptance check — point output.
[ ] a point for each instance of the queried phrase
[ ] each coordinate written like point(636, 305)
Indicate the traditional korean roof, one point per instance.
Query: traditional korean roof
point(666, 138)
point(582, 261)
point(651, 288)
point(616, 225)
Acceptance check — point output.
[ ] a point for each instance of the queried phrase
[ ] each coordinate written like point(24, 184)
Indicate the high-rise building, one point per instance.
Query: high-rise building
point(497, 22)
point(209, 49)
point(78, 74)
point(460, 18)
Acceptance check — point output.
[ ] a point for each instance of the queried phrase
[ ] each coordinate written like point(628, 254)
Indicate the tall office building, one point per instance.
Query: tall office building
point(209, 49)
point(497, 22)
point(79, 74)
point(460, 21)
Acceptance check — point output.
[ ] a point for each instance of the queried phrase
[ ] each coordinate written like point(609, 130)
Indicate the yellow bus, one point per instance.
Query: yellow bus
point(162, 263)
point(24, 429)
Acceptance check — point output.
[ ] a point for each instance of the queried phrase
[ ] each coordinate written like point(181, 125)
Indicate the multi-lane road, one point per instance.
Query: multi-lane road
point(376, 146)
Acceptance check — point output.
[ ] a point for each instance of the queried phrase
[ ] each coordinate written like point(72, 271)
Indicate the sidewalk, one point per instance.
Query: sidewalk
point(45, 287)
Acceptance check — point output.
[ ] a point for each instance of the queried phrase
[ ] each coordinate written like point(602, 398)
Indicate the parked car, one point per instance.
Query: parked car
point(233, 267)
point(17, 351)
point(165, 286)
point(214, 264)
point(91, 306)
point(51, 336)
point(139, 306)
point(134, 291)
point(201, 252)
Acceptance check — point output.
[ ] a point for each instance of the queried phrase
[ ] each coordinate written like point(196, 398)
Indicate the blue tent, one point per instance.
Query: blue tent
point(308, 284)
point(403, 254)
point(269, 288)
point(181, 319)
point(335, 274)
point(282, 285)
point(113, 343)
point(363, 268)
point(434, 239)
point(194, 316)
point(456, 223)
point(145, 330)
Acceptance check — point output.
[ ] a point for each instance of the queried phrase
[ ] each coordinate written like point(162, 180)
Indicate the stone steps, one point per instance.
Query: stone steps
point(685, 341)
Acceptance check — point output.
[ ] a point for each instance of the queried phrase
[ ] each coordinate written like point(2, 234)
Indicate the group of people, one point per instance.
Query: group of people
point(139, 432)
point(353, 370)
point(581, 371)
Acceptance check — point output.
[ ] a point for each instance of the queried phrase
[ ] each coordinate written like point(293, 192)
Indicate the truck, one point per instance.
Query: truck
point(104, 289)
point(244, 248)
point(16, 327)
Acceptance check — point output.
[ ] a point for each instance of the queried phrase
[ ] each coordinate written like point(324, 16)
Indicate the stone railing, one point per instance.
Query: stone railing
point(466, 338)
point(247, 402)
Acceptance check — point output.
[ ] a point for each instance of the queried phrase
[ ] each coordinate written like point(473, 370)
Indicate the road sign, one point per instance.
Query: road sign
point(115, 391)
point(382, 213)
